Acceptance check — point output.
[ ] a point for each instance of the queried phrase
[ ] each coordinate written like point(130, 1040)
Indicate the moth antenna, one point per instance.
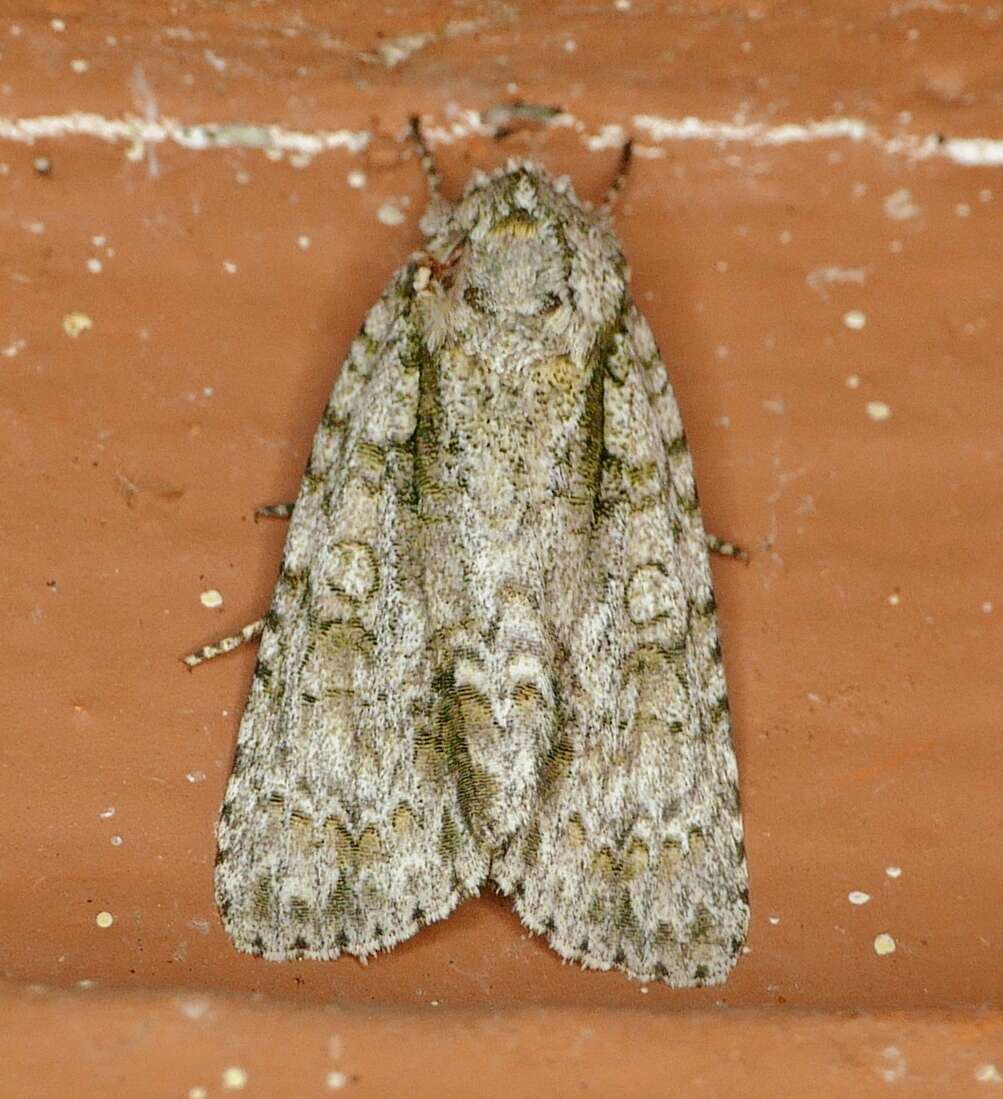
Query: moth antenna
point(427, 161)
point(626, 155)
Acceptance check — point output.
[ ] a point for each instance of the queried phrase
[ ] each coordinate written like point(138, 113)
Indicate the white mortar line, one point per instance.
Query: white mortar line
point(138, 132)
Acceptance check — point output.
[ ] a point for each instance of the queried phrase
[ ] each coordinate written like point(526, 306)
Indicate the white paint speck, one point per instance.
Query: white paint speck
point(897, 1065)
point(303, 241)
point(116, 841)
point(721, 265)
point(774, 405)
point(356, 180)
point(94, 265)
point(14, 348)
point(336, 1080)
point(899, 205)
point(35, 227)
point(774, 920)
point(985, 195)
point(987, 607)
point(57, 25)
point(895, 246)
point(195, 777)
point(234, 1078)
point(878, 411)
point(79, 65)
point(858, 897)
point(721, 351)
point(198, 1092)
point(853, 381)
point(894, 599)
point(107, 814)
point(75, 324)
point(855, 319)
point(217, 62)
point(622, 5)
point(104, 919)
point(229, 267)
point(785, 236)
point(211, 598)
point(99, 240)
point(988, 1074)
point(884, 944)
point(570, 45)
point(390, 214)
point(893, 871)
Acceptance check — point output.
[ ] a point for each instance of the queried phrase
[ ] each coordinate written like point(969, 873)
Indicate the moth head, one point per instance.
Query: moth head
point(518, 244)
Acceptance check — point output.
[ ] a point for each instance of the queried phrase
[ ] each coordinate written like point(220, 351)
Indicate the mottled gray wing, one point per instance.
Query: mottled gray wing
point(635, 857)
point(341, 828)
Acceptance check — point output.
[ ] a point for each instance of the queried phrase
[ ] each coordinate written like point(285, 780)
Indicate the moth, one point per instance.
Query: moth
point(492, 655)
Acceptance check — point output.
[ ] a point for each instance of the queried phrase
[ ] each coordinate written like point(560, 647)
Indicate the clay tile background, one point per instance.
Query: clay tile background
point(199, 203)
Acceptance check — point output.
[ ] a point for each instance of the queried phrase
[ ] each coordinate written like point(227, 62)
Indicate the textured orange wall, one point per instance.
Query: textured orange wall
point(813, 220)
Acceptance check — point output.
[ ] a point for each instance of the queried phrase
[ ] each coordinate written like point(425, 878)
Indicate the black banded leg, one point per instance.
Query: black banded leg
point(274, 511)
point(725, 549)
point(224, 645)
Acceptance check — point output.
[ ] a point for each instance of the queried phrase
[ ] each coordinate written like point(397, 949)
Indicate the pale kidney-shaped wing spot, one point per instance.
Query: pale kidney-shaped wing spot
point(353, 569)
point(652, 595)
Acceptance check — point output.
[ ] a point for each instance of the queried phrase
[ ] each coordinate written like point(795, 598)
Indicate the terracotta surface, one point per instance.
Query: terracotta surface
point(835, 261)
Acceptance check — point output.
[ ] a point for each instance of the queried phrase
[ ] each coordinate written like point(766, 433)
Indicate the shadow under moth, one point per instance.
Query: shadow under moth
point(492, 654)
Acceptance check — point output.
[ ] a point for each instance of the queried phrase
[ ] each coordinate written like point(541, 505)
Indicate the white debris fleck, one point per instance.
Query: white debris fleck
point(775, 405)
point(774, 920)
point(303, 241)
point(895, 246)
point(198, 1092)
point(76, 323)
point(785, 236)
point(104, 919)
point(622, 5)
point(211, 598)
point(13, 348)
point(962, 209)
point(897, 1065)
point(116, 841)
point(356, 179)
point(884, 944)
point(855, 319)
point(893, 871)
point(336, 1080)
point(988, 1074)
point(721, 266)
point(57, 25)
point(878, 411)
point(390, 214)
point(99, 240)
point(853, 381)
point(894, 599)
point(987, 607)
point(195, 777)
point(234, 1078)
point(570, 46)
point(899, 205)
point(107, 814)
point(79, 65)
point(858, 897)
point(229, 267)
point(985, 195)
point(94, 265)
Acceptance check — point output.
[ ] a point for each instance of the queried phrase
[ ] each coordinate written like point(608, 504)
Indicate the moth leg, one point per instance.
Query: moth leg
point(725, 549)
point(626, 153)
point(428, 166)
point(274, 511)
point(225, 644)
